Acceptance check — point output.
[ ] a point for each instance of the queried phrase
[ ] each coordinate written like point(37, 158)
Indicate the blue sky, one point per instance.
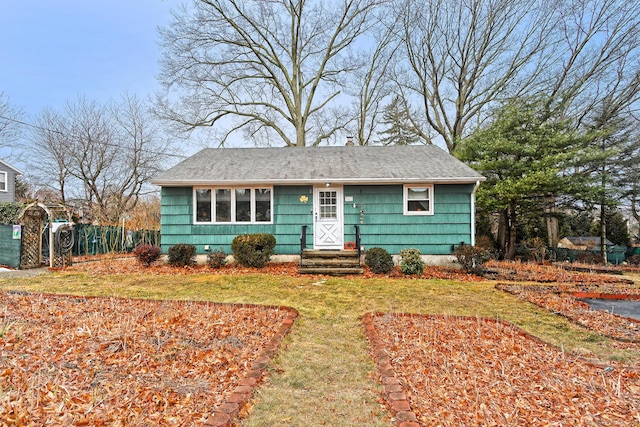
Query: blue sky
point(52, 51)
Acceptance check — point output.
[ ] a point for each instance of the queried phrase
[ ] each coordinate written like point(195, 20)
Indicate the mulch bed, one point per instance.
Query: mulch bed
point(129, 265)
point(451, 371)
point(119, 362)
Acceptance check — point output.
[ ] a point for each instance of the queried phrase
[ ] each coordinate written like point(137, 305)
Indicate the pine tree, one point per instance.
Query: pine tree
point(400, 130)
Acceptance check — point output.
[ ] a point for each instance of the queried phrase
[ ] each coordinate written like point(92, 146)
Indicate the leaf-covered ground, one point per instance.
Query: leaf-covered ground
point(74, 361)
point(559, 299)
point(123, 362)
point(532, 272)
point(472, 371)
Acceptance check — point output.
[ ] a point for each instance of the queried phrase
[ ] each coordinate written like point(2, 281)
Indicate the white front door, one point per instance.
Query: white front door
point(328, 230)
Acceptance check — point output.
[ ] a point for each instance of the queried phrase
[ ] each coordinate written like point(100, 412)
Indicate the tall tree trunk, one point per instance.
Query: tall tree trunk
point(603, 213)
point(501, 235)
point(510, 252)
point(552, 222)
point(603, 234)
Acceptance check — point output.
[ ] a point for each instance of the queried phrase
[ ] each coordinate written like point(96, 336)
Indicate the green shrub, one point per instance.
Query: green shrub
point(410, 262)
point(182, 255)
point(217, 258)
point(472, 258)
point(379, 260)
point(10, 212)
point(147, 254)
point(253, 250)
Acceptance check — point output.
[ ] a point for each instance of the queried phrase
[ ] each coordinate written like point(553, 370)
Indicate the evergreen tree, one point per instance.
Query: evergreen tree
point(400, 130)
point(617, 228)
point(611, 139)
point(576, 223)
point(528, 157)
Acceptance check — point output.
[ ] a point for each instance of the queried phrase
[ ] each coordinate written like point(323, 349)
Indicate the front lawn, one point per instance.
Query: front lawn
point(323, 374)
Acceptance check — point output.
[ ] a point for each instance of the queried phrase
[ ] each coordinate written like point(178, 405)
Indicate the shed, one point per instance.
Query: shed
point(582, 243)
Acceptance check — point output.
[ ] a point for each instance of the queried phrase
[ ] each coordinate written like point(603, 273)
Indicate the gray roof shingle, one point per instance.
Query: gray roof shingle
point(293, 165)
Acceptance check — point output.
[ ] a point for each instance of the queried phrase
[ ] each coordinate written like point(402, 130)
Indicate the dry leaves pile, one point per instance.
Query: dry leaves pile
point(560, 300)
point(122, 362)
point(430, 272)
point(472, 371)
point(531, 272)
point(130, 265)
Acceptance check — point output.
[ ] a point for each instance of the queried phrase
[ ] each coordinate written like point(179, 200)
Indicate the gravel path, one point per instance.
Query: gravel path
point(6, 273)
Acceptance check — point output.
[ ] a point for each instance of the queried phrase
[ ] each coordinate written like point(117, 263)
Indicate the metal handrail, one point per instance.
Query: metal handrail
point(358, 244)
point(303, 241)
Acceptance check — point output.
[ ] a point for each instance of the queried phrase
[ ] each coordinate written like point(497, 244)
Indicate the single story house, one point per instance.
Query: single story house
point(582, 243)
point(397, 197)
point(8, 176)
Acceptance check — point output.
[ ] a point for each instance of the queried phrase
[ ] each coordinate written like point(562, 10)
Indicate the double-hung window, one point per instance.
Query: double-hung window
point(3, 181)
point(233, 205)
point(418, 199)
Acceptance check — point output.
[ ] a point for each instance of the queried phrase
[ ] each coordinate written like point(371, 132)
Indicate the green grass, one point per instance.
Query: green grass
point(323, 374)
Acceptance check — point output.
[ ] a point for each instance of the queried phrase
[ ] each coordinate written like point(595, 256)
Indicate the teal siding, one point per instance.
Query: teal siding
point(289, 215)
point(381, 224)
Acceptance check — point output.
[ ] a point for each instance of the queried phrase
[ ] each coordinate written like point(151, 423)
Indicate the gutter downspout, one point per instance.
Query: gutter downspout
point(473, 213)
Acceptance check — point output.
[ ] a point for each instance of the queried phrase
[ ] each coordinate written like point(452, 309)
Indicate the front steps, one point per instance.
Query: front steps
point(330, 262)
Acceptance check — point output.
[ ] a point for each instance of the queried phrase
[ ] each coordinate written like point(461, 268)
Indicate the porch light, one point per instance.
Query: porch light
point(328, 184)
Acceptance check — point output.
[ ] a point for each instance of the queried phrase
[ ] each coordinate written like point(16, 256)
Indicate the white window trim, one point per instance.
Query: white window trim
point(405, 199)
point(233, 205)
point(6, 183)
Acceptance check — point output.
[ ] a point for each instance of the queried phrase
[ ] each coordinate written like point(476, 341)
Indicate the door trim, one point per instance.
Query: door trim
point(333, 238)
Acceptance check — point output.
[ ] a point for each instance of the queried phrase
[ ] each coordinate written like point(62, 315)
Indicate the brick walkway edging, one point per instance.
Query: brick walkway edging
point(225, 414)
point(394, 393)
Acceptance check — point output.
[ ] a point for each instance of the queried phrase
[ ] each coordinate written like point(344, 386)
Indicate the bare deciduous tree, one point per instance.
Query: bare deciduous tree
point(10, 129)
point(104, 155)
point(372, 83)
point(597, 56)
point(48, 160)
point(463, 56)
point(275, 68)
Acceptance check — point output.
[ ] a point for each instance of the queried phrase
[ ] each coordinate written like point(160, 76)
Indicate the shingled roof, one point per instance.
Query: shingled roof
point(344, 164)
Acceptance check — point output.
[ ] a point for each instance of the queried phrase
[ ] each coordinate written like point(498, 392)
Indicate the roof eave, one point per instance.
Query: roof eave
point(337, 181)
point(16, 170)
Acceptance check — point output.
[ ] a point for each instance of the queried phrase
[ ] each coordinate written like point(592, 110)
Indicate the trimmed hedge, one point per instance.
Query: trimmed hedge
point(217, 258)
point(379, 260)
point(182, 255)
point(253, 250)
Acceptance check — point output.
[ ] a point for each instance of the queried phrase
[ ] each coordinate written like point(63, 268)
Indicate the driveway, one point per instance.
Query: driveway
point(624, 308)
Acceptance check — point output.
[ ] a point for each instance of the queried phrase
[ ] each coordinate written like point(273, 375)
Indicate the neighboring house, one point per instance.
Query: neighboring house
point(582, 243)
point(8, 176)
point(399, 197)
